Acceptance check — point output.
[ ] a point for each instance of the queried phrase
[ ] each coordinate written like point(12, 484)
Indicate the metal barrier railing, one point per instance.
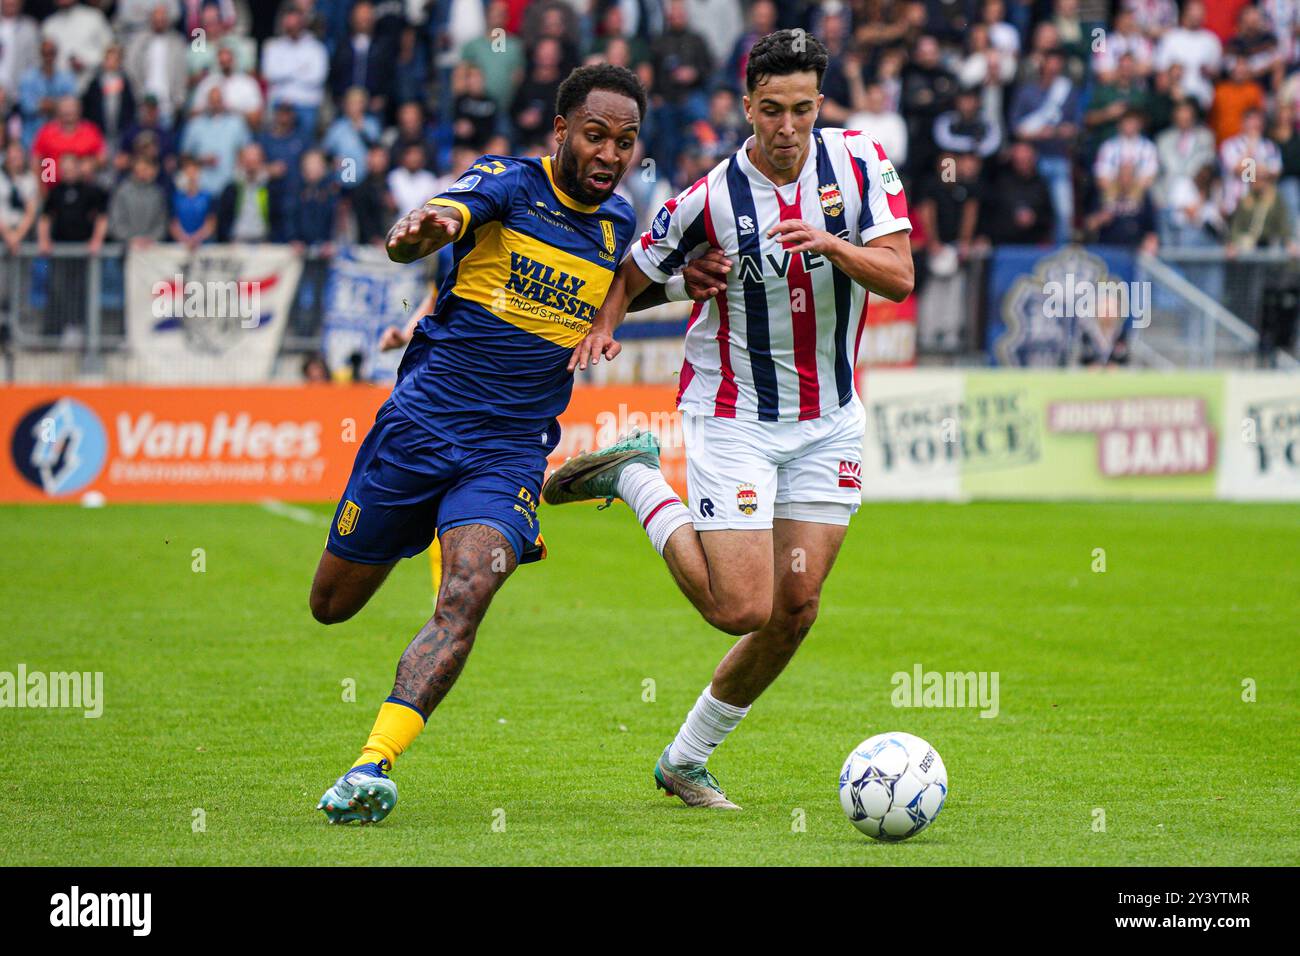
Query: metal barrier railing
point(63, 313)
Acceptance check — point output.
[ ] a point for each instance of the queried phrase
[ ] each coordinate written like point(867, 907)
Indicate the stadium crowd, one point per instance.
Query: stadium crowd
point(319, 121)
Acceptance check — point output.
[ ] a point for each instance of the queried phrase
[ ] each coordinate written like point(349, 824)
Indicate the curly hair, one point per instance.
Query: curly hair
point(578, 85)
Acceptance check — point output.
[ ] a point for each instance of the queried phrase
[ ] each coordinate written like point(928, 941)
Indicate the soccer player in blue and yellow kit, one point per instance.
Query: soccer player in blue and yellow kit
point(459, 449)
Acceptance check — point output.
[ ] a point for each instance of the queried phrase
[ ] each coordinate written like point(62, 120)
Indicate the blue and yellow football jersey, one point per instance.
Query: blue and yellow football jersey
point(531, 266)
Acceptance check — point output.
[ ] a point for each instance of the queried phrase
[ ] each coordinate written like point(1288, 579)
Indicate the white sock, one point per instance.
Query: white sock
point(657, 506)
point(707, 725)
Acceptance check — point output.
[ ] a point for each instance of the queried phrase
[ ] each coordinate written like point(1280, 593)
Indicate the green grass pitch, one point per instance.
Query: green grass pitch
point(1120, 690)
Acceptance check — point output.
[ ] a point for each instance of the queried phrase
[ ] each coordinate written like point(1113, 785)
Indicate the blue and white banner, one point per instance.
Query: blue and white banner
point(1042, 301)
point(214, 314)
point(366, 293)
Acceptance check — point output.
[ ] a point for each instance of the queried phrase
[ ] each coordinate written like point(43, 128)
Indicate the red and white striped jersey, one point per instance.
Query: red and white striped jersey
point(781, 342)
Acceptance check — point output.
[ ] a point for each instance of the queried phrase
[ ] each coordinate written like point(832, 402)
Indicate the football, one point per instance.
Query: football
point(892, 786)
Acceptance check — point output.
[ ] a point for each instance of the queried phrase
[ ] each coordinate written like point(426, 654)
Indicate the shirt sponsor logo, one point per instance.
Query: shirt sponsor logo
point(851, 474)
point(889, 180)
point(556, 290)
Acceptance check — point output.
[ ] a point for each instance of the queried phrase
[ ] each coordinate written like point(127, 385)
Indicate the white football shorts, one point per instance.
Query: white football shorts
point(742, 474)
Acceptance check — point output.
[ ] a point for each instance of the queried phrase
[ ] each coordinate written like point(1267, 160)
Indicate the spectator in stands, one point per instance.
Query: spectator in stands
point(155, 64)
point(1124, 38)
point(1123, 214)
point(410, 71)
point(762, 21)
point(1261, 218)
point(1287, 138)
point(553, 20)
point(1153, 17)
point(75, 210)
point(1183, 150)
point(315, 208)
point(372, 206)
point(1255, 45)
point(988, 69)
point(20, 50)
point(411, 130)
point(880, 121)
point(148, 122)
point(966, 129)
point(1072, 38)
point(244, 207)
point(137, 212)
point(283, 145)
point(722, 132)
point(411, 184)
point(202, 58)
point(295, 67)
point(498, 54)
point(1245, 157)
point(612, 31)
point(1002, 35)
point(682, 64)
point(1017, 206)
point(240, 92)
point(928, 89)
point(364, 60)
point(833, 32)
point(214, 137)
point(474, 114)
point(82, 34)
point(947, 203)
point(1196, 49)
point(1128, 151)
point(194, 209)
point(533, 106)
point(722, 21)
point(1046, 114)
point(1195, 219)
point(1233, 98)
point(350, 136)
point(19, 198)
point(1110, 100)
point(68, 135)
point(315, 371)
point(40, 90)
point(108, 102)
point(132, 17)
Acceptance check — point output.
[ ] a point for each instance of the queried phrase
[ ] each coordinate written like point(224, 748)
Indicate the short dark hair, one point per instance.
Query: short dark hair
point(598, 76)
point(784, 52)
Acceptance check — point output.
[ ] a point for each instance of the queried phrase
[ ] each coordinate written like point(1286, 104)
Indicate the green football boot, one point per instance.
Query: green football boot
point(694, 786)
point(594, 474)
point(364, 794)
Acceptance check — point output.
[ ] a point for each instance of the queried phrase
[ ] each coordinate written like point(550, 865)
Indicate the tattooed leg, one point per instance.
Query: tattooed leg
point(476, 560)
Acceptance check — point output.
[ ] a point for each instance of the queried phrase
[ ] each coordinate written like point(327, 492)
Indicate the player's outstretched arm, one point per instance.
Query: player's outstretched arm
point(703, 277)
point(629, 282)
point(422, 232)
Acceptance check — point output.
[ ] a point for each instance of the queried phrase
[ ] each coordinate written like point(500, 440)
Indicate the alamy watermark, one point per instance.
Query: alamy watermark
point(922, 688)
point(77, 690)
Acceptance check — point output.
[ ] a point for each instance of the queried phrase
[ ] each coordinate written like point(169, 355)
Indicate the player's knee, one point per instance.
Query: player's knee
point(327, 609)
point(795, 618)
point(739, 619)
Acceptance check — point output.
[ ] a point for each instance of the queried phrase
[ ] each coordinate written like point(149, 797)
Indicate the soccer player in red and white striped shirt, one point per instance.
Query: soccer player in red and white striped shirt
point(809, 222)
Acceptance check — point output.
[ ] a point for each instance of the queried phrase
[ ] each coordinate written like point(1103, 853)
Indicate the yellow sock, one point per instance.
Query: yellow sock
point(397, 725)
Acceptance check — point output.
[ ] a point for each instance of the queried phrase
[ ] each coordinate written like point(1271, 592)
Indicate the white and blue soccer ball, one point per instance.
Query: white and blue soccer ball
point(892, 786)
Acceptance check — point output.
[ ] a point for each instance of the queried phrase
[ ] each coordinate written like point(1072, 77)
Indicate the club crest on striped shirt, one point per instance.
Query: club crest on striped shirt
point(747, 498)
point(832, 199)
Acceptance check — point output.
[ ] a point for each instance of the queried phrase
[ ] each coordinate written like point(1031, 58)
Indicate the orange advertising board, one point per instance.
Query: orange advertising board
point(294, 443)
